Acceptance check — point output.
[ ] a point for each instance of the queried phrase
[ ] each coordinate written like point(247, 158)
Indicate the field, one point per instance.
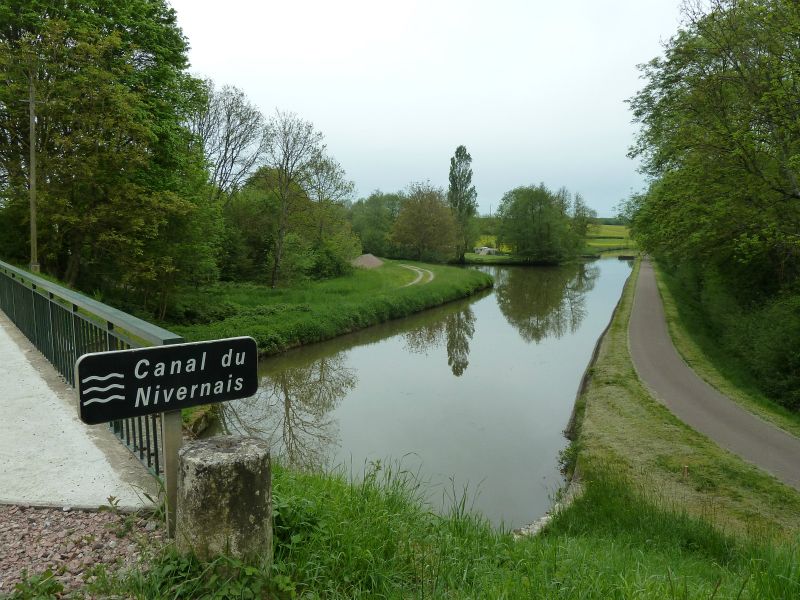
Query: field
point(609, 239)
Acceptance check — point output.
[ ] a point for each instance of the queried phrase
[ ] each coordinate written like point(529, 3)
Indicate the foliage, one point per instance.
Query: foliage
point(462, 198)
point(370, 535)
point(721, 139)
point(373, 218)
point(425, 228)
point(121, 191)
point(537, 225)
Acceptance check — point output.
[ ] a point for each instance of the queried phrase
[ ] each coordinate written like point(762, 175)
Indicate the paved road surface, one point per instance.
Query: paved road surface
point(694, 401)
point(48, 457)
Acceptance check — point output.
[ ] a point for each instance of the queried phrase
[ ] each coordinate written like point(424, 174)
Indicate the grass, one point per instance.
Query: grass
point(498, 259)
point(282, 318)
point(700, 349)
point(338, 538)
point(609, 240)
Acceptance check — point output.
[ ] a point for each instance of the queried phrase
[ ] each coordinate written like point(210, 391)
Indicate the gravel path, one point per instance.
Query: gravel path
point(694, 401)
point(70, 543)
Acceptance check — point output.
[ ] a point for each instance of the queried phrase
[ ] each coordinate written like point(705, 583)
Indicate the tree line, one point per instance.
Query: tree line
point(152, 181)
point(720, 142)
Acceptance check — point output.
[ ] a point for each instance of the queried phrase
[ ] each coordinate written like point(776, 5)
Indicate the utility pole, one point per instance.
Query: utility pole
point(32, 170)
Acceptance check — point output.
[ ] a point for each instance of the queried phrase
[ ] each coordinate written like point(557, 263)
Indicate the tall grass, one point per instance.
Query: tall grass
point(375, 538)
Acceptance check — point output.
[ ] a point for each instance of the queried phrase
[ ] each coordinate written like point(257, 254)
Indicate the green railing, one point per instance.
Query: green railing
point(64, 325)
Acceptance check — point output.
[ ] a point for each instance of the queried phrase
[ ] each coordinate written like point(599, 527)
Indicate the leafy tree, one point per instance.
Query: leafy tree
point(116, 172)
point(462, 198)
point(373, 218)
point(536, 223)
point(425, 227)
point(720, 140)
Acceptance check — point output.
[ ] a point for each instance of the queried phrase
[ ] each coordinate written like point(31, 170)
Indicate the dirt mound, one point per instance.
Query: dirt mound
point(367, 261)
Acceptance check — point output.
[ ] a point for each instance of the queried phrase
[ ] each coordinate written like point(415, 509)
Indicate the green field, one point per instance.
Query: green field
point(609, 239)
point(313, 311)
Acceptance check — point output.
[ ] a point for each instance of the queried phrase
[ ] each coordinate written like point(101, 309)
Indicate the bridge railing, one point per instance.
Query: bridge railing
point(64, 325)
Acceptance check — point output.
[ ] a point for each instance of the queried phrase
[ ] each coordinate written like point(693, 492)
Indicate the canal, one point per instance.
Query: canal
point(471, 397)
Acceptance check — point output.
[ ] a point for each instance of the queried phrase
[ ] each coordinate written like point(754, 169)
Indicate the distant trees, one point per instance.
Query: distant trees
point(425, 226)
point(542, 226)
point(462, 198)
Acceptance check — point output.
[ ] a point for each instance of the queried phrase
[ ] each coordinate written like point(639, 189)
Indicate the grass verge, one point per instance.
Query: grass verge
point(699, 347)
point(282, 318)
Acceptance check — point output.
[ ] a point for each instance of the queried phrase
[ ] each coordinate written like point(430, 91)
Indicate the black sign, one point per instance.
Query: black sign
point(130, 383)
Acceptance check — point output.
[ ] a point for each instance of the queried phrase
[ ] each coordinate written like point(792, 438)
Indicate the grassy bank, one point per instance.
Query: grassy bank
point(313, 311)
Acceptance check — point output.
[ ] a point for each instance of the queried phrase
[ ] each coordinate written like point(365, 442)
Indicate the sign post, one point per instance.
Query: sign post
point(164, 379)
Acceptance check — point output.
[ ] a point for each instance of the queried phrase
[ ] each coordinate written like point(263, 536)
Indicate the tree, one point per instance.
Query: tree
point(535, 222)
point(425, 227)
point(373, 218)
point(462, 198)
point(116, 171)
point(291, 147)
point(327, 185)
point(232, 133)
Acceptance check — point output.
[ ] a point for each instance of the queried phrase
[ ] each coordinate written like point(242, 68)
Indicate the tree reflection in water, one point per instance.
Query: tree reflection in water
point(548, 305)
point(455, 330)
point(292, 409)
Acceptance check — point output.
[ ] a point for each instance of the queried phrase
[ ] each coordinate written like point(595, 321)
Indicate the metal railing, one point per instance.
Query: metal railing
point(63, 325)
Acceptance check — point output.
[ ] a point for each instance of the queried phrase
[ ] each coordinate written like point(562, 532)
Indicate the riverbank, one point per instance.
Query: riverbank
point(309, 312)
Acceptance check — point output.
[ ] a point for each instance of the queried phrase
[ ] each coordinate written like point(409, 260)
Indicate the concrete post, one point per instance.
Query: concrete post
point(224, 498)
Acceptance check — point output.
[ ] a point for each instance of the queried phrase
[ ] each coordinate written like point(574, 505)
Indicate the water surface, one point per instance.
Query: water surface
point(473, 396)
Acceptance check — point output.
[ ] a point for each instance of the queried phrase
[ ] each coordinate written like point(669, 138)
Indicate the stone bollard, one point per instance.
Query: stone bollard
point(224, 498)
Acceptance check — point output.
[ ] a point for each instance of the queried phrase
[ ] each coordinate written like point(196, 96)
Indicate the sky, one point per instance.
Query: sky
point(534, 89)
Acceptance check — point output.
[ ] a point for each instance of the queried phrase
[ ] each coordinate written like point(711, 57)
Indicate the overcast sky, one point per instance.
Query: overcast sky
point(534, 89)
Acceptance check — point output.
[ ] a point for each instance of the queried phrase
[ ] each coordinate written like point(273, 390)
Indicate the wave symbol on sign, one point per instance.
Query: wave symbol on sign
point(111, 386)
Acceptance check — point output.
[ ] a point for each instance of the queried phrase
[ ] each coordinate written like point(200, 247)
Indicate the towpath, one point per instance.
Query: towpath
point(48, 456)
point(694, 401)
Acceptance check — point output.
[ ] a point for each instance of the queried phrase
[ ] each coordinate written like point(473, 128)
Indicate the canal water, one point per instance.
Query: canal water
point(471, 397)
